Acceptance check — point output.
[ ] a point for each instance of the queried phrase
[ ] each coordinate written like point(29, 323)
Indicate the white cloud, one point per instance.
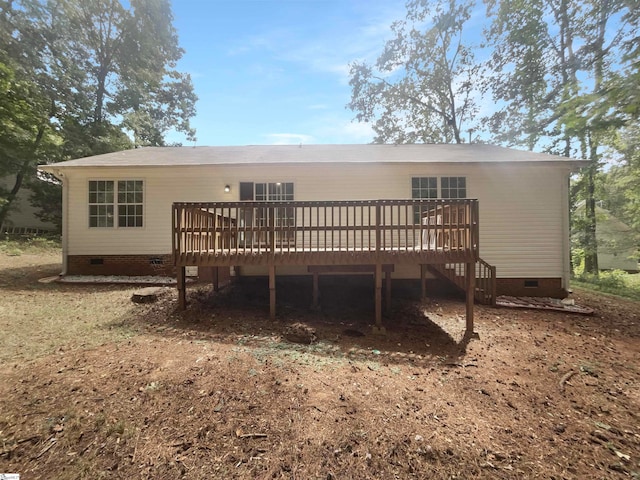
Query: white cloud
point(331, 49)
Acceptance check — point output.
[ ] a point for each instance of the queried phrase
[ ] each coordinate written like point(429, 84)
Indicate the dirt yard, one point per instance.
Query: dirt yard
point(95, 386)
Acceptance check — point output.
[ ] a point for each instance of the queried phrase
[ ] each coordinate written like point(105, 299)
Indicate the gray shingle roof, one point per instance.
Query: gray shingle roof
point(301, 154)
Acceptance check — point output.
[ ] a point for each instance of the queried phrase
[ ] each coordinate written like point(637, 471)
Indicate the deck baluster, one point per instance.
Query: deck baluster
point(351, 232)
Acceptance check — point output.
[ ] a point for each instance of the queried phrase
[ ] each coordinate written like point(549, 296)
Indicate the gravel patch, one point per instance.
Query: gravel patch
point(138, 280)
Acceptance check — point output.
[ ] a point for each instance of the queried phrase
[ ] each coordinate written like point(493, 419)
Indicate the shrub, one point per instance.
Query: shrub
point(617, 282)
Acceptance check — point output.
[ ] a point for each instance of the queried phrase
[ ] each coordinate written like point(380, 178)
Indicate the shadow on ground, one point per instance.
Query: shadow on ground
point(416, 331)
point(26, 275)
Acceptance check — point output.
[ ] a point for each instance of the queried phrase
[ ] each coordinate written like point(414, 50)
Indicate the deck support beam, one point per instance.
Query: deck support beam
point(423, 282)
point(215, 278)
point(182, 290)
point(470, 270)
point(378, 328)
point(316, 291)
point(272, 292)
point(387, 291)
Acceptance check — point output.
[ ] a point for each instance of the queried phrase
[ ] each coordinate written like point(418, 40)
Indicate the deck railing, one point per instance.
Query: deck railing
point(485, 278)
point(213, 233)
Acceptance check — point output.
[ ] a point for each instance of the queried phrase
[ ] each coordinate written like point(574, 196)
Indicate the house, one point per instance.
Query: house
point(22, 217)
point(491, 219)
point(618, 244)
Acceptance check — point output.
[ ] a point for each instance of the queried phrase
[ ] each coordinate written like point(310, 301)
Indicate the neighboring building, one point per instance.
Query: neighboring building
point(618, 244)
point(22, 217)
point(117, 210)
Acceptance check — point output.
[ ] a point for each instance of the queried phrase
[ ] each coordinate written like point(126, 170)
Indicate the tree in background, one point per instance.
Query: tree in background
point(27, 133)
point(620, 183)
point(104, 70)
point(129, 58)
point(558, 55)
point(625, 88)
point(550, 69)
point(420, 88)
point(519, 78)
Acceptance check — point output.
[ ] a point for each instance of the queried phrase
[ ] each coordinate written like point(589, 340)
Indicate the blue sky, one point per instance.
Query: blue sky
point(276, 71)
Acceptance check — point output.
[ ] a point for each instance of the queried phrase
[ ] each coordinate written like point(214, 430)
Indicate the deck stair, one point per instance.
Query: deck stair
point(485, 290)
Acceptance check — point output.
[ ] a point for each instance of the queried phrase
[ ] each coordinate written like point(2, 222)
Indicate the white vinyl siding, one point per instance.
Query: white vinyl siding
point(521, 228)
point(521, 206)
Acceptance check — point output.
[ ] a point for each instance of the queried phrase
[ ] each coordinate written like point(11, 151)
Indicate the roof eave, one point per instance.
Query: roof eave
point(571, 164)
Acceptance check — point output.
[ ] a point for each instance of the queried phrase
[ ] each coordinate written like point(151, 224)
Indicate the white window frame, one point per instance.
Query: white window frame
point(439, 189)
point(284, 216)
point(102, 206)
point(439, 186)
point(271, 193)
point(450, 188)
point(112, 209)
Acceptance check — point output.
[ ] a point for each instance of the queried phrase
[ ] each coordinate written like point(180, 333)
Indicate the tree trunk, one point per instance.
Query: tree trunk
point(590, 241)
point(100, 91)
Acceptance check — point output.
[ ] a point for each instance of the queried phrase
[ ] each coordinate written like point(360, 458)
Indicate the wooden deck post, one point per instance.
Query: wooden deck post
point(215, 277)
point(182, 290)
point(423, 282)
point(368, 235)
point(378, 328)
point(470, 270)
point(316, 291)
point(387, 290)
point(272, 292)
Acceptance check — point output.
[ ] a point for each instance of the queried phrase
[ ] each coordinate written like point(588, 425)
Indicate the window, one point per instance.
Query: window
point(269, 192)
point(424, 187)
point(453, 187)
point(106, 197)
point(450, 187)
point(427, 187)
point(130, 203)
point(101, 203)
point(266, 192)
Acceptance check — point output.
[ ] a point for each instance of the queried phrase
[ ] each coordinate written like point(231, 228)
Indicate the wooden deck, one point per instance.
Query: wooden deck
point(333, 233)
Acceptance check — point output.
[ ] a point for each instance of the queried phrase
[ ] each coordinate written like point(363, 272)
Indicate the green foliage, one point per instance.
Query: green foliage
point(135, 51)
point(85, 77)
point(47, 194)
point(615, 282)
point(609, 280)
point(624, 89)
point(519, 37)
point(27, 135)
point(19, 244)
point(420, 88)
point(551, 63)
point(563, 75)
point(619, 185)
point(577, 260)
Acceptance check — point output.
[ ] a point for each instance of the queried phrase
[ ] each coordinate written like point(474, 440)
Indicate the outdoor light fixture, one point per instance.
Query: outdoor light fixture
point(227, 188)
